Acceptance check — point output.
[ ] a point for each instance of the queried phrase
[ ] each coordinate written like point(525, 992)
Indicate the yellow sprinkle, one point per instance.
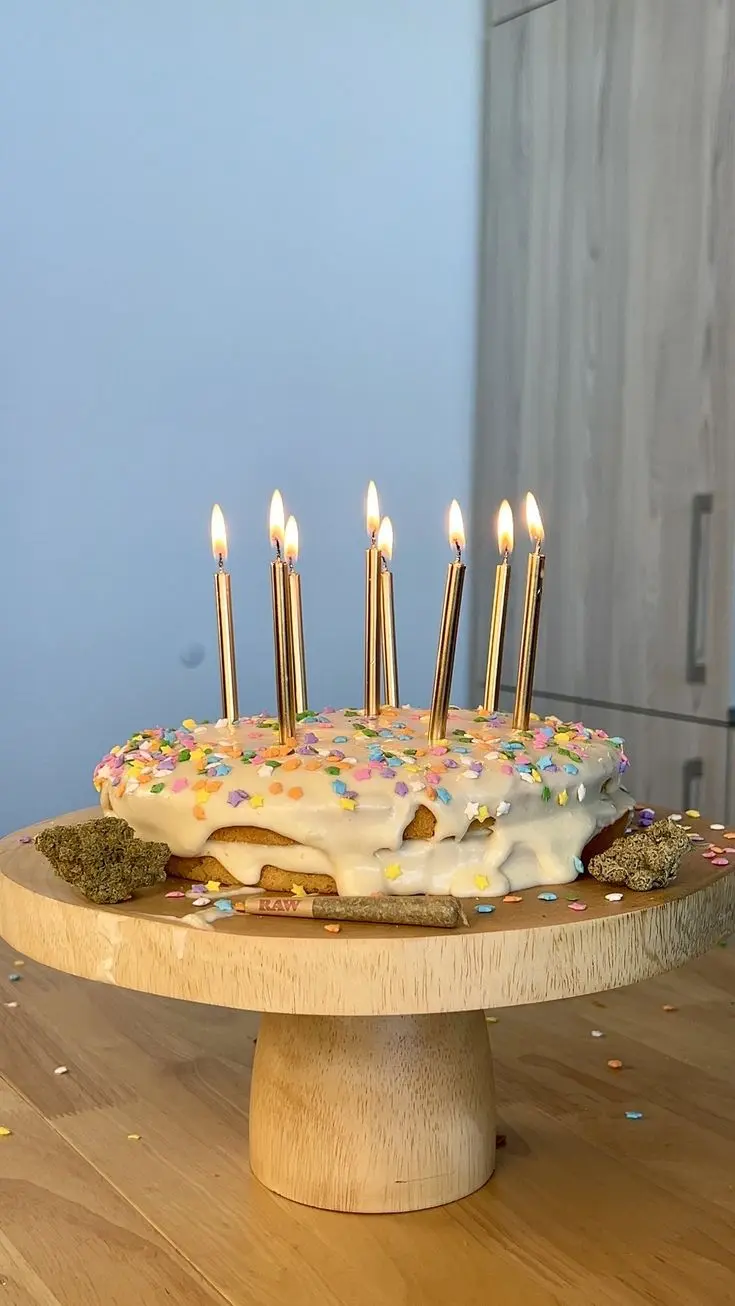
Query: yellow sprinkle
point(483, 813)
point(534, 716)
point(213, 886)
point(197, 756)
point(298, 890)
point(692, 812)
point(562, 737)
point(203, 796)
point(332, 929)
point(188, 724)
point(5, 1133)
point(135, 1138)
point(562, 798)
point(347, 803)
point(393, 871)
point(536, 775)
point(257, 800)
point(481, 881)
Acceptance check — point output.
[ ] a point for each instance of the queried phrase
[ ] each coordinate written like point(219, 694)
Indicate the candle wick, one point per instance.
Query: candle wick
point(277, 543)
point(459, 550)
point(220, 562)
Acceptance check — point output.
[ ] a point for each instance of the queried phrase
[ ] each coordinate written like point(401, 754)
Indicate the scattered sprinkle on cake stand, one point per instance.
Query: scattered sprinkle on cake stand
point(372, 1085)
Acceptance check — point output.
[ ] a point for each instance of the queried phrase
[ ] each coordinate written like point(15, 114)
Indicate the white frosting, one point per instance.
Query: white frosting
point(544, 814)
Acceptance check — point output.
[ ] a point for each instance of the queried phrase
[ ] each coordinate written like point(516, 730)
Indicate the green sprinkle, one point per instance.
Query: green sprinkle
point(546, 793)
point(332, 770)
point(272, 763)
point(184, 755)
point(156, 789)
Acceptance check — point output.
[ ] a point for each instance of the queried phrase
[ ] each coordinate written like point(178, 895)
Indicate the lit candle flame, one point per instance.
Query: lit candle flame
point(456, 526)
point(533, 521)
point(219, 534)
point(505, 527)
point(276, 521)
point(373, 511)
point(385, 538)
point(291, 541)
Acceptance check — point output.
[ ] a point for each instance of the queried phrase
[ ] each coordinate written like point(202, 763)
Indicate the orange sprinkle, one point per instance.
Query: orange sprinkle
point(199, 784)
point(292, 764)
point(295, 793)
point(615, 1064)
point(430, 793)
point(212, 786)
point(314, 764)
point(275, 788)
point(332, 929)
point(199, 813)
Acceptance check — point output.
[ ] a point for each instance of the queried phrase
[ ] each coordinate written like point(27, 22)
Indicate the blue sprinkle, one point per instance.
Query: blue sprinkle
point(340, 739)
point(579, 866)
point(484, 908)
point(515, 745)
point(224, 904)
point(339, 787)
point(385, 733)
point(444, 795)
point(634, 1115)
point(571, 770)
point(547, 897)
point(523, 766)
point(456, 749)
point(544, 763)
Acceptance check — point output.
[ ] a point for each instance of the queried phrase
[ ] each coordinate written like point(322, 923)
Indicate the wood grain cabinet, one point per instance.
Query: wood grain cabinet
point(606, 374)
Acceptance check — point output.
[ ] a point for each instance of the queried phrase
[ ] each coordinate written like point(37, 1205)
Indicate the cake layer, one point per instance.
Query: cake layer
point(341, 799)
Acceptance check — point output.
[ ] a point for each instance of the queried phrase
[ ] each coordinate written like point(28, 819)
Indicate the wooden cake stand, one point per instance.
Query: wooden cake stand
point(372, 1085)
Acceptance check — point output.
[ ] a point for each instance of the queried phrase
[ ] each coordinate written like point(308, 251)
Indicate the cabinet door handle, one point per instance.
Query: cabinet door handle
point(691, 789)
point(699, 557)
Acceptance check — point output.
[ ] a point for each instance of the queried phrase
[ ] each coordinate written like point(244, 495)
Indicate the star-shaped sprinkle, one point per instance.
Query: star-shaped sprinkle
point(502, 808)
point(393, 871)
point(471, 811)
point(237, 796)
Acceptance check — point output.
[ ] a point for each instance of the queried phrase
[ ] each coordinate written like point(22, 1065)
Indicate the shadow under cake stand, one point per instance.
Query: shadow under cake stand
point(372, 1085)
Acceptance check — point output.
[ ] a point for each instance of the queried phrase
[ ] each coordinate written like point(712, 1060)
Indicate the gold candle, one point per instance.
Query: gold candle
point(225, 629)
point(496, 637)
point(531, 614)
point(448, 630)
point(282, 641)
point(291, 550)
point(388, 615)
point(372, 607)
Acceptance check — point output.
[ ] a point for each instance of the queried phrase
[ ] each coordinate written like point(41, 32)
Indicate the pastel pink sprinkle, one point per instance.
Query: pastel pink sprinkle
point(179, 783)
point(362, 773)
point(720, 861)
point(176, 893)
point(578, 906)
point(506, 769)
point(439, 751)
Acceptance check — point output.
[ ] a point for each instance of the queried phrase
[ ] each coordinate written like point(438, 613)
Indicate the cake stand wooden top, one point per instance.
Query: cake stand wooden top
point(531, 951)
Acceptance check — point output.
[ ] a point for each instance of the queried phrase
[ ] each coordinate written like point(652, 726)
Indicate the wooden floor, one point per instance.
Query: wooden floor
point(586, 1207)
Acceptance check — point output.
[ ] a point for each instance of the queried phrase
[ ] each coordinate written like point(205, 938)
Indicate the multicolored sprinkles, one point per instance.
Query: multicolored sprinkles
point(397, 749)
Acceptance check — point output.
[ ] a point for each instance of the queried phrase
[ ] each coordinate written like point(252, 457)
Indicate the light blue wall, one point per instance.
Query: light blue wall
point(237, 249)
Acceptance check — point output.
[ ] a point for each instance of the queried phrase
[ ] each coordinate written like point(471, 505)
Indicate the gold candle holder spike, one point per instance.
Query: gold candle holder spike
point(282, 638)
point(291, 550)
point(496, 637)
point(225, 628)
point(448, 630)
point(372, 606)
point(388, 615)
point(531, 615)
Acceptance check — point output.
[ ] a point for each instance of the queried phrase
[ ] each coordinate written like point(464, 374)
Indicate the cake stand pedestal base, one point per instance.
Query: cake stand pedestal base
point(373, 1113)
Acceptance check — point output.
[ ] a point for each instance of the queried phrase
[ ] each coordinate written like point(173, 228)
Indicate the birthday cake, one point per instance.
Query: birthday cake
point(360, 806)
